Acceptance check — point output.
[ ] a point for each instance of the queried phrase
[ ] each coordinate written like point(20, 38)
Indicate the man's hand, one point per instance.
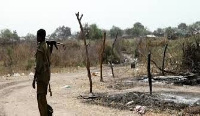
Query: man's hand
point(33, 84)
point(34, 79)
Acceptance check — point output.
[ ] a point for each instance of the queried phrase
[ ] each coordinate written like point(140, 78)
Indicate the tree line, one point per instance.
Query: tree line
point(94, 32)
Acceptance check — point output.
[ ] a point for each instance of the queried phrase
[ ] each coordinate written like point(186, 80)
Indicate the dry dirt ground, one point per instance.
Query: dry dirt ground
point(18, 98)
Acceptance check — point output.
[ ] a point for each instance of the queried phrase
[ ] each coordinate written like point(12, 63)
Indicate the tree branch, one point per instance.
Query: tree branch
point(161, 68)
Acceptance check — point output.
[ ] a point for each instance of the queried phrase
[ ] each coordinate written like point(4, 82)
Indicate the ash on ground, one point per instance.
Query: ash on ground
point(159, 101)
point(131, 99)
point(184, 79)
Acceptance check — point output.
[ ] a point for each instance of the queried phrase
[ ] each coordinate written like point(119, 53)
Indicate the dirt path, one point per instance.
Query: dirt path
point(19, 99)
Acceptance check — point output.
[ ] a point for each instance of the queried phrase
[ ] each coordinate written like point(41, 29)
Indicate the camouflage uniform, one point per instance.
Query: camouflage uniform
point(42, 72)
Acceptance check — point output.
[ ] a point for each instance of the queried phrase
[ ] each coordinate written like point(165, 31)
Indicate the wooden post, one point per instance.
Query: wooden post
point(101, 56)
point(112, 52)
point(149, 72)
point(86, 50)
point(163, 62)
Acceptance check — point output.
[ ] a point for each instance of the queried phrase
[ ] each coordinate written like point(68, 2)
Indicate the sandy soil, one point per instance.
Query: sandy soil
point(18, 98)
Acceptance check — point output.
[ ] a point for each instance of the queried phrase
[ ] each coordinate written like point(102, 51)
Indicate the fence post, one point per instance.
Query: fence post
point(149, 72)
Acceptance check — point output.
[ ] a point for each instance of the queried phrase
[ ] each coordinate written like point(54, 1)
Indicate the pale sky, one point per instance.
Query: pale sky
point(27, 16)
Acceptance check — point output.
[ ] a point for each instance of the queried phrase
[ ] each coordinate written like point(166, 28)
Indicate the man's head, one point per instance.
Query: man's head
point(41, 34)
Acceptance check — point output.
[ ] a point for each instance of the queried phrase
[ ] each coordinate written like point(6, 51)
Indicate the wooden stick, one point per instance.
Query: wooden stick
point(149, 72)
point(101, 56)
point(163, 62)
point(86, 50)
point(112, 55)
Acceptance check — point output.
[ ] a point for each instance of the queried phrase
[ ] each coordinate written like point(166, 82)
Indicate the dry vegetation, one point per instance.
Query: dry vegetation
point(20, 56)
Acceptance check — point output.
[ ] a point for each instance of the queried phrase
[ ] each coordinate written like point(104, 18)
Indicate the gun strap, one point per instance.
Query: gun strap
point(50, 90)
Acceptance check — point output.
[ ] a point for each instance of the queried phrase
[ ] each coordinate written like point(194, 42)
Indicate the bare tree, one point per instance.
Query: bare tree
point(112, 52)
point(101, 56)
point(86, 49)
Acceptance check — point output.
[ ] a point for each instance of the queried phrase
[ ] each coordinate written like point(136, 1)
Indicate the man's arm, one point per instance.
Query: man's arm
point(39, 65)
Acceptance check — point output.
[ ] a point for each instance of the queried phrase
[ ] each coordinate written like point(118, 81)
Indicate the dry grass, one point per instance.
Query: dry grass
point(20, 57)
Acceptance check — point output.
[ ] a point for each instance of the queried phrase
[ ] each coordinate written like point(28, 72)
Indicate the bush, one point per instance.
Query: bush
point(191, 55)
point(108, 55)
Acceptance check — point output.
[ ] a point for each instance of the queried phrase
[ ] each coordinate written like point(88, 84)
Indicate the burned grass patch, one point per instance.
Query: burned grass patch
point(127, 101)
point(163, 100)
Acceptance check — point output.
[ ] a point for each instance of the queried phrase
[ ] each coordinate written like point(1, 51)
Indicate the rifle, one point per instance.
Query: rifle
point(53, 43)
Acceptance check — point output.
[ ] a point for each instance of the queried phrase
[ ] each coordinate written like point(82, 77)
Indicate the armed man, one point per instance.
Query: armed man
point(42, 72)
